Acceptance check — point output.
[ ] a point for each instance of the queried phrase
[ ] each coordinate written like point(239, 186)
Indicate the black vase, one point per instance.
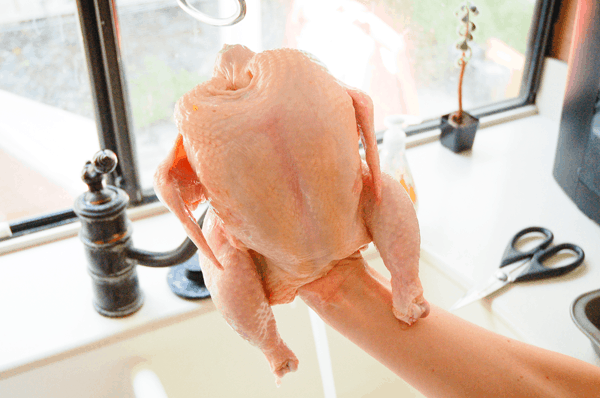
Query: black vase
point(458, 137)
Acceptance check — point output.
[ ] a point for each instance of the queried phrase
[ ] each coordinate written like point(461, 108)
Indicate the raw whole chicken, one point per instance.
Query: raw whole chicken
point(272, 142)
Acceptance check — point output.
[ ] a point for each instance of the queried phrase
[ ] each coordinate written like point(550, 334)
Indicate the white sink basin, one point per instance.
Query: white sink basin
point(202, 357)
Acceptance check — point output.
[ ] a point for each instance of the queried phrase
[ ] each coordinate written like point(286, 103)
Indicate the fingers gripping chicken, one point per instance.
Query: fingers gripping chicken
point(271, 141)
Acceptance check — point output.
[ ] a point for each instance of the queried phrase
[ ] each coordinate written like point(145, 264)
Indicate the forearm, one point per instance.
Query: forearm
point(443, 355)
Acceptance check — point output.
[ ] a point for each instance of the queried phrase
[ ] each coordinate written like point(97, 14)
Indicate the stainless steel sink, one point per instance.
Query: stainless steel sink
point(585, 312)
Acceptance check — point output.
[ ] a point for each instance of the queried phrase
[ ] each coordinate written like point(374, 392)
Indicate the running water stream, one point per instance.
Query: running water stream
point(323, 354)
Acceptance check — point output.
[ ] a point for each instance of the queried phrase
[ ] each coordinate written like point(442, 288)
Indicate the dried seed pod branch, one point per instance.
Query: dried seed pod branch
point(466, 12)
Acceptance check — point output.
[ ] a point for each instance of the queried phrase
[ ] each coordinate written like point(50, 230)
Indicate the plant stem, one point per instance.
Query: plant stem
point(463, 64)
point(460, 82)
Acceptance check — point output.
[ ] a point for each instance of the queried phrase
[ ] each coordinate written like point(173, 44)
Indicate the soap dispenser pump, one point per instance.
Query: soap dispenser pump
point(393, 153)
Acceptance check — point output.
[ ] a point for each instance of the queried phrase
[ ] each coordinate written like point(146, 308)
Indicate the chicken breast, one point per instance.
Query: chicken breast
point(272, 142)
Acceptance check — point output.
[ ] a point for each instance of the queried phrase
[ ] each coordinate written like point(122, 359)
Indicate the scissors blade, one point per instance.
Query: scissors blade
point(492, 285)
point(501, 278)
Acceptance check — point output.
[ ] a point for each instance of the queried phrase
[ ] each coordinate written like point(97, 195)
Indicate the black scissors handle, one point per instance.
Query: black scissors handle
point(512, 254)
point(537, 270)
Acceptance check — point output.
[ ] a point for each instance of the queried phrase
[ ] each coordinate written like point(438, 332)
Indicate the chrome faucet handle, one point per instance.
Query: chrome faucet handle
point(104, 162)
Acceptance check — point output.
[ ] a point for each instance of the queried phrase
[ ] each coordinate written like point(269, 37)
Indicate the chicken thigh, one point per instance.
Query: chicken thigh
point(272, 142)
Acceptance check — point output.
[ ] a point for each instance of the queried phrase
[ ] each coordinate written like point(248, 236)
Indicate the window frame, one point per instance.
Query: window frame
point(99, 27)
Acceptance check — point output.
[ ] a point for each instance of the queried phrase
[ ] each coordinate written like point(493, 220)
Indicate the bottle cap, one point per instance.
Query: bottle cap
point(401, 121)
point(395, 135)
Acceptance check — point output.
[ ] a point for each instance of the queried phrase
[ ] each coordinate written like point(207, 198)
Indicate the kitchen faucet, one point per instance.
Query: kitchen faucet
point(106, 235)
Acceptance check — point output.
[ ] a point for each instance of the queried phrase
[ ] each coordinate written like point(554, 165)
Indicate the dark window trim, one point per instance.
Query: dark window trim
point(36, 223)
point(63, 217)
point(99, 28)
point(112, 111)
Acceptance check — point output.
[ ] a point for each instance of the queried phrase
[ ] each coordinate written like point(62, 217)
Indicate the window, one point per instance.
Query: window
point(47, 124)
point(402, 52)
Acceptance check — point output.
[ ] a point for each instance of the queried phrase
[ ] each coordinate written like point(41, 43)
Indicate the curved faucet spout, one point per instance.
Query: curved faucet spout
point(165, 259)
point(184, 252)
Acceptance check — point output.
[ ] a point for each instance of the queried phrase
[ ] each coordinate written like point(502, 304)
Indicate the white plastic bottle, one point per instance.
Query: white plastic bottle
point(393, 153)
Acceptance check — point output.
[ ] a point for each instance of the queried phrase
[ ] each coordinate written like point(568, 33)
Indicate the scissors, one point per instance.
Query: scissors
point(514, 269)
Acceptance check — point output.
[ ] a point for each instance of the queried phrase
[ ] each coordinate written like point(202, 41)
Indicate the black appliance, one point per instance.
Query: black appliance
point(577, 161)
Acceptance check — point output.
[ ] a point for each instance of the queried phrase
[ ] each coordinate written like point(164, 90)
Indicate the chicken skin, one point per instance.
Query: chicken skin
point(272, 142)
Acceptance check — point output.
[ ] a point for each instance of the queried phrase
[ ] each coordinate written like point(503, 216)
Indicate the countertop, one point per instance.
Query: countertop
point(470, 205)
point(46, 311)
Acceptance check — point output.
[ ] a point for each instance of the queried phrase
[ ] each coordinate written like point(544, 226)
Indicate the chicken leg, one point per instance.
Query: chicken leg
point(393, 225)
point(238, 293)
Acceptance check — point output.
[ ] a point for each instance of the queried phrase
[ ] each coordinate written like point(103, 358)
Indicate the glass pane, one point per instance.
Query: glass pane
point(403, 53)
point(47, 128)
